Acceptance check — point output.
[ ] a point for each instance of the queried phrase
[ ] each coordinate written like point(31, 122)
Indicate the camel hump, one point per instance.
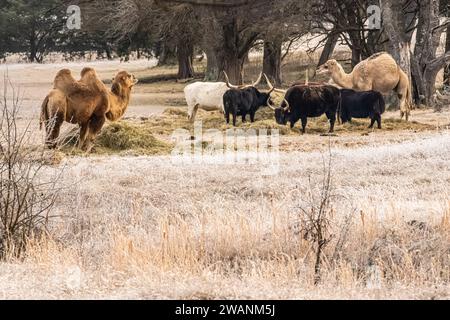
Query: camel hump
point(377, 55)
point(87, 70)
point(66, 83)
point(63, 79)
point(91, 80)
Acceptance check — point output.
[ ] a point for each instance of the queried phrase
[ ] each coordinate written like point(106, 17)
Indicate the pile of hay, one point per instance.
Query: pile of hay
point(121, 136)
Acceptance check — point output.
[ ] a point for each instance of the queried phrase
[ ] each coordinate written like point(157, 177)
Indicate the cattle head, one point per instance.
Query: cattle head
point(282, 113)
point(264, 98)
point(328, 67)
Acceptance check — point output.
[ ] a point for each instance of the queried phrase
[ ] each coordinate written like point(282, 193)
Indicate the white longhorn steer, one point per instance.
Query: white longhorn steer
point(208, 95)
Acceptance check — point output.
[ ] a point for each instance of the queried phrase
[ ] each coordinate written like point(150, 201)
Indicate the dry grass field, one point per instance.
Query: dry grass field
point(129, 223)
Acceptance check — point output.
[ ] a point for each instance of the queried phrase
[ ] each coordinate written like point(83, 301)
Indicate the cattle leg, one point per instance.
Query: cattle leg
point(332, 118)
point(243, 118)
point(332, 123)
point(252, 117)
point(192, 112)
point(372, 122)
point(227, 116)
point(234, 119)
point(379, 120)
point(304, 123)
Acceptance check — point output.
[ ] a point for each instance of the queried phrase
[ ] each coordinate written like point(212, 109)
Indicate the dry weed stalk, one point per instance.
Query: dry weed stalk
point(25, 197)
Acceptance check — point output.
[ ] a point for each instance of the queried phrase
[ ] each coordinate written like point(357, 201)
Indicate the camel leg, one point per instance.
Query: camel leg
point(403, 106)
point(95, 125)
point(84, 131)
point(52, 129)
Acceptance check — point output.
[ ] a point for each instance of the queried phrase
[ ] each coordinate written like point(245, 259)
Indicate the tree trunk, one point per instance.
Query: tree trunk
point(108, 52)
point(425, 64)
point(356, 55)
point(394, 24)
point(226, 51)
point(212, 67)
point(447, 49)
point(185, 53)
point(355, 36)
point(272, 60)
point(218, 61)
point(329, 47)
point(167, 55)
point(229, 57)
point(33, 49)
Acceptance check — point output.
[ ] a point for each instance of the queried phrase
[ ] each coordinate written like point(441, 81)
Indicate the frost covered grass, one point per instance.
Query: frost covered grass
point(142, 227)
point(132, 226)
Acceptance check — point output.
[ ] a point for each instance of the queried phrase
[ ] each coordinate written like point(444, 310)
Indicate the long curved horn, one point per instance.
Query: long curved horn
point(270, 105)
point(287, 105)
point(258, 81)
point(227, 81)
point(272, 88)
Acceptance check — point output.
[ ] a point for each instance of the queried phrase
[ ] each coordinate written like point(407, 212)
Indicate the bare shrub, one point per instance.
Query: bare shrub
point(25, 196)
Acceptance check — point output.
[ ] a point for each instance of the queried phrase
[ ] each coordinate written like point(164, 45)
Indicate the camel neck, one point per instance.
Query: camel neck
point(342, 79)
point(118, 105)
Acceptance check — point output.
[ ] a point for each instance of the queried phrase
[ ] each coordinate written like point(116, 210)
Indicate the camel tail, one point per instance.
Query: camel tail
point(409, 100)
point(44, 113)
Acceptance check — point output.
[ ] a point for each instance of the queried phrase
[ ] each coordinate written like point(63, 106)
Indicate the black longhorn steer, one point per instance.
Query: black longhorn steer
point(360, 105)
point(303, 102)
point(243, 101)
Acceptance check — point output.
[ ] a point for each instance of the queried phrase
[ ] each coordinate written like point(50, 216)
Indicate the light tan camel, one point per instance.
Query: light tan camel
point(379, 72)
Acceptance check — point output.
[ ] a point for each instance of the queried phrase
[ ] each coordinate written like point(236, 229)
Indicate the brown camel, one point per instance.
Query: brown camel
point(379, 72)
point(87, 102)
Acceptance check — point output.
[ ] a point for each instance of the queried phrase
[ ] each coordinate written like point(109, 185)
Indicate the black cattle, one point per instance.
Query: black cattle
point(303, 102)
point(361, 105)
point(240, 102)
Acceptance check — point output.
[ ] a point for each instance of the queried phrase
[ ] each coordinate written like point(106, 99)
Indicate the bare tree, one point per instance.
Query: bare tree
point(401, 18)
point(446, 9)
point(316, 217)
point(426, 64)
point(345, 21)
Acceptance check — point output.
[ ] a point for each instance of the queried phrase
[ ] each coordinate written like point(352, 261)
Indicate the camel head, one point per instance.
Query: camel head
point(328, 67)
point(123, 82)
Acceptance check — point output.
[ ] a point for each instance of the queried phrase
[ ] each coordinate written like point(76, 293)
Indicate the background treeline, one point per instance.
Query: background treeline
point(175, 31)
